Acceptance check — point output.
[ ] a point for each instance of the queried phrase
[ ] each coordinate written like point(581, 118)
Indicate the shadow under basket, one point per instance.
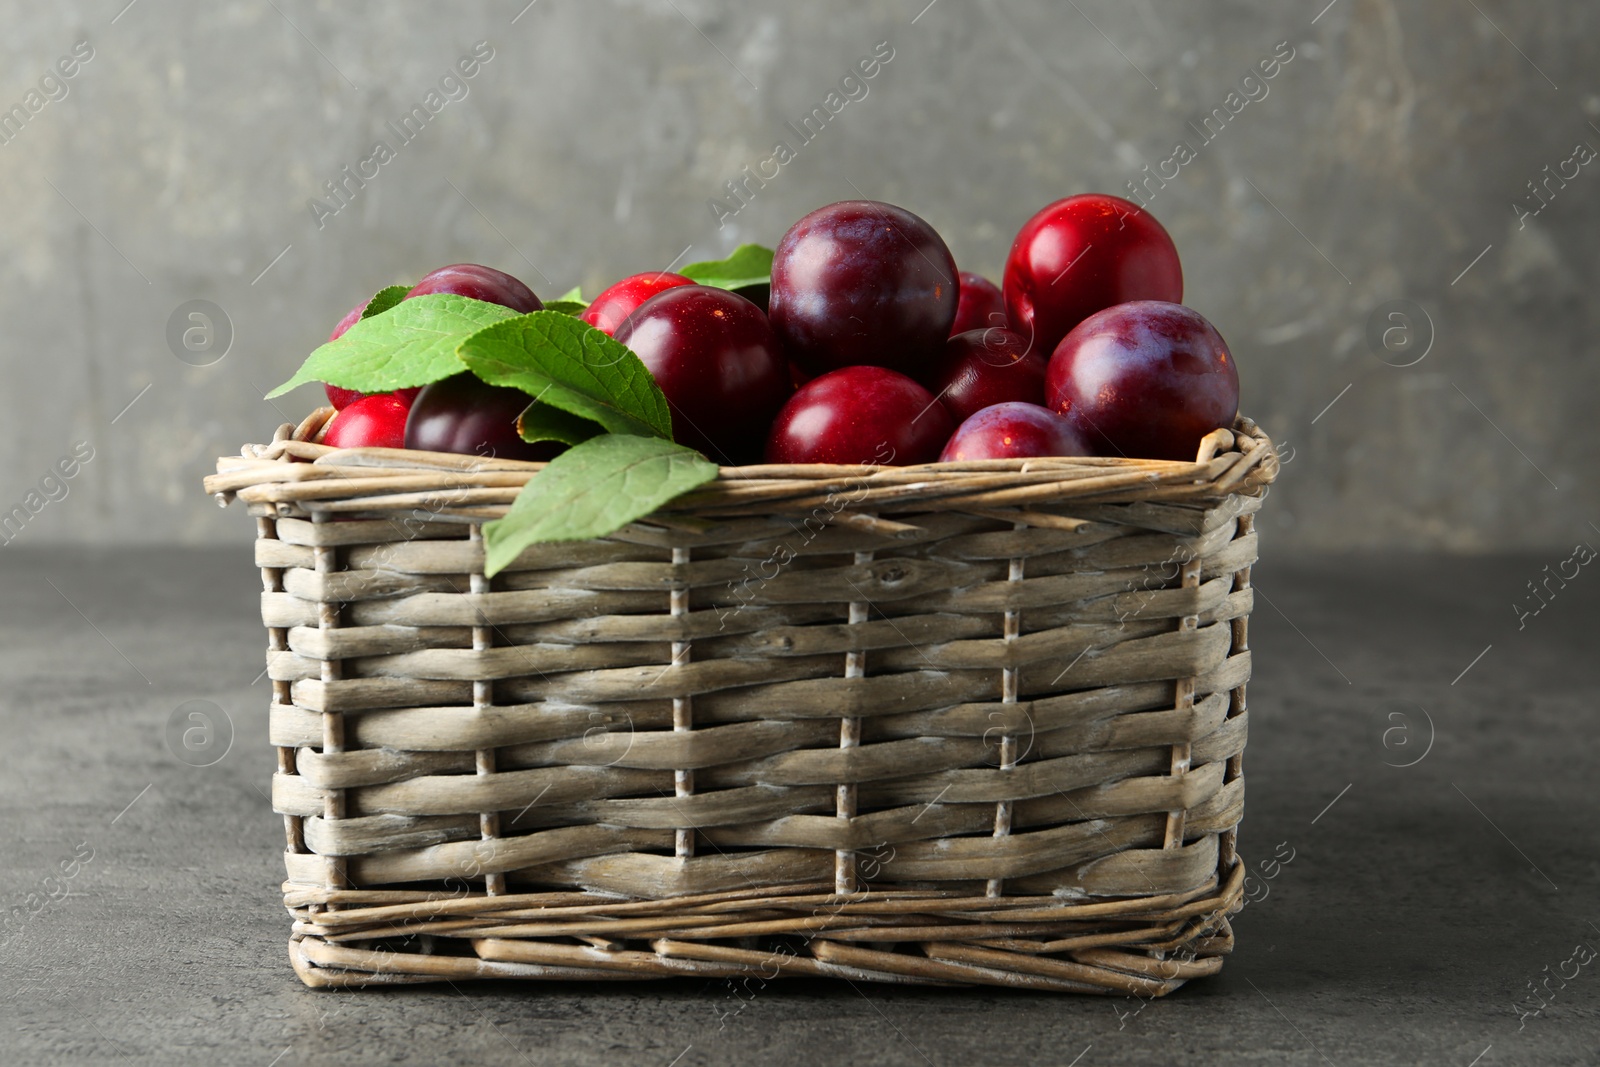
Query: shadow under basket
point(962, 723)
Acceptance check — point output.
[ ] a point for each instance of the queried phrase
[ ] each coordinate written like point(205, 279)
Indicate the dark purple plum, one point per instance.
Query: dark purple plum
point(1013, 430)
point(759, 295)
point(859, 414)
point(714, 355)
point(984, 367)
point(466, 415)
point(479, 283)
point(862, 282)
point(1146, 380)
point(981, 304)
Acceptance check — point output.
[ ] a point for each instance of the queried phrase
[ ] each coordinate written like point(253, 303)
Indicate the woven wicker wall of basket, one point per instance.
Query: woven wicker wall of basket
point(948, 724)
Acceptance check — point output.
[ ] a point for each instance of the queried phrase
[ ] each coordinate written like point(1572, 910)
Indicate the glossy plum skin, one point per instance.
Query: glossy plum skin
point(1081, 255)
point(862, 414)
point(980, 304)
point(621, 299)
point(720, 365)
point(862, 282)
point(1146, 380)
point(1013, 430)
point(370, 422)
point(980, 368)
point(479, 283)
point(465, 415)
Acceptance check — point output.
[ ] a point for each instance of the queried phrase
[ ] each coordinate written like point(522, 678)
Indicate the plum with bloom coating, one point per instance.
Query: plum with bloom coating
point(480, 283)
point(869, 415)
point(1013, 430)
point(1146, 380)
point(980, 305)
point(466, 415)
point(984, 367)
point(862, 282)
point(717, 360)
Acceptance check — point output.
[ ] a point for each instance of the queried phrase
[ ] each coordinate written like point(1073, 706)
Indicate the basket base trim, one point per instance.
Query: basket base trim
point(1141, 946)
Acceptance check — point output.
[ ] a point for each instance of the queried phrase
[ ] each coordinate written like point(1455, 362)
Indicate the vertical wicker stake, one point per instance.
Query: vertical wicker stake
point(855, 666)
point(1008, 695)
point(278, 641)
point(482, 701)
point(682, 706)
point(1183, 698)
point(326, 561)
point(1236, 700)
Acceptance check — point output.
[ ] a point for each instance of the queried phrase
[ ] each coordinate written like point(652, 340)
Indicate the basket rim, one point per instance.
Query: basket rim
point(296, 474)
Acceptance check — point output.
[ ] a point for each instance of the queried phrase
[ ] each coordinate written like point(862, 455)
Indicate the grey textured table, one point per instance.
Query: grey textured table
point(1421, 905)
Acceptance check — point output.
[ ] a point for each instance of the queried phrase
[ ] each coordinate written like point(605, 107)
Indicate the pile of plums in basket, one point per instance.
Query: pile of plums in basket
point(874, 349)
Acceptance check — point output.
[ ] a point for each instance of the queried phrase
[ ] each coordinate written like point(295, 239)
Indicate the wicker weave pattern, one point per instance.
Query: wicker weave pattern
point(951, 724)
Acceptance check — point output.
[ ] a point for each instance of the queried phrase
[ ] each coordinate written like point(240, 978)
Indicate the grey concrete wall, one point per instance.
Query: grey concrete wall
point(1384, 164)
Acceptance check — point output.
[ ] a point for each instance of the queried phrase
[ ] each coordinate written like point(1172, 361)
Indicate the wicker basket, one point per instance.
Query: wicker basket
point(951, 724)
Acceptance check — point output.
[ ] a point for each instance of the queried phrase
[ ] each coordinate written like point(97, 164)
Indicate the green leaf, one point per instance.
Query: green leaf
point(747, 265)
point(385, 299)
point(573, 295)
point(541, 422)
point(566, 307)
point(592, 490)
point(570, 365)
point(413, 343)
